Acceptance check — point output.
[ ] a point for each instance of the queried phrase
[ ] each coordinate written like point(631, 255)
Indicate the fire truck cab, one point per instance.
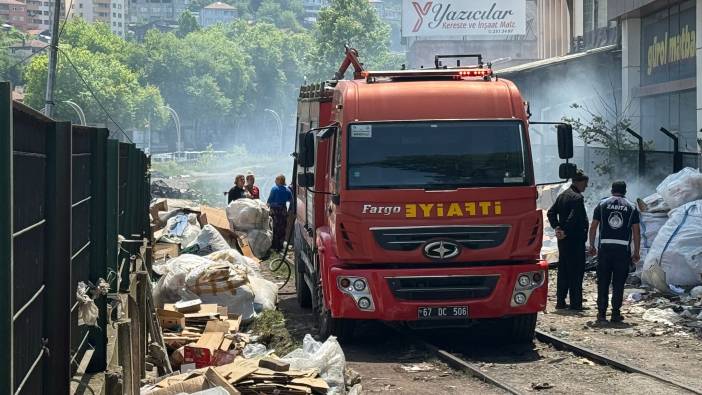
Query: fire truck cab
point(416, 200)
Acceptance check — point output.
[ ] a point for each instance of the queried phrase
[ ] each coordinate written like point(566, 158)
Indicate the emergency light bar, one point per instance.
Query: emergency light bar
point(430, 73)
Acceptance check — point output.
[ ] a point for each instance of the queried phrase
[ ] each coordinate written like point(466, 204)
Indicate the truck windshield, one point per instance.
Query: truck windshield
point(436, 154)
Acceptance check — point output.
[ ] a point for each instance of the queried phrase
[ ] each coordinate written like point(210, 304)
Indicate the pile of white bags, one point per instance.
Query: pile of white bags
point(208, 240)
point(677, 250)
point(184, 236)
point(328, 358)
point(248, 214)
point(252, 216)
point(226, 278)
point(682, 187)
point(651, 223)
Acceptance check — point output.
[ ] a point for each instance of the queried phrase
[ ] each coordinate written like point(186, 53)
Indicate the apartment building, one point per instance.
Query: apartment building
point(215, 13)
point(147, 11)
point(111, 12)
point(39, 14)
point(14, 13)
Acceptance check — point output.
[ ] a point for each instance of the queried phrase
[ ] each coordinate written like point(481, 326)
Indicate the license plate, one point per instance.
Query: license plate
point(448, 312)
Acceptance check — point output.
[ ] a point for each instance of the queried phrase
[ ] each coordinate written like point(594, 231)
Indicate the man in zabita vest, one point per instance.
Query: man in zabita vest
point(617, 221)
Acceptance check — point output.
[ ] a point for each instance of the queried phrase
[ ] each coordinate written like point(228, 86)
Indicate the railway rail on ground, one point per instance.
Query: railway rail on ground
point(471, 365)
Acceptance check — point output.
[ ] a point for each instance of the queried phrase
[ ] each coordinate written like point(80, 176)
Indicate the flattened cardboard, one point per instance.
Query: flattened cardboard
point(217, 326)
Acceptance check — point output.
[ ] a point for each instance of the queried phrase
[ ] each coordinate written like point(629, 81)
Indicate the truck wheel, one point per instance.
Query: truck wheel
point(327, 325)
point(520, 328)
point(304, 295)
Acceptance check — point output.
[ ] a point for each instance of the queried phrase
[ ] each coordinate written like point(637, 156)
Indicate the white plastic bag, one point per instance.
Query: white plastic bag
point(653, 204)
point(682, 187)
point(677, 249)
point(266, 293)
point(169, 286)
point(209, 239)
point(651, 223)
point(260, 241)
point(87, 310)
point(327, 357)
point(248, 214)
point(236, 258)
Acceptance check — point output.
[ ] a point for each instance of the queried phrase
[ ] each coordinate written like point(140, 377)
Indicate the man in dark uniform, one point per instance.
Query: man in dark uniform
point(618, 221)
point(568, 218)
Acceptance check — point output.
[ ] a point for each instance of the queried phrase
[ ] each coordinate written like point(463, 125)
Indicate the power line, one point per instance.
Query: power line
point(92, 93)
point(28, 57)
point(68, 10)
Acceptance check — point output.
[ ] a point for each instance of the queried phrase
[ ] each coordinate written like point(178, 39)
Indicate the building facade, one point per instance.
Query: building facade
point(147, 11)
point(217, 13)
point(14, 13)
point(39, 14)
point(111, 12)
point(312, 8)
point(662, 69)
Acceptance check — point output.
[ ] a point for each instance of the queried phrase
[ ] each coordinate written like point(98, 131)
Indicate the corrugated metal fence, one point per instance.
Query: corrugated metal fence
point(65, 194)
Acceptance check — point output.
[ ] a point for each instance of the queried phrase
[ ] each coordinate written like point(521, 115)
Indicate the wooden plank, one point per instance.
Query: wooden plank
point(244, 246)
point(215, 378)
point(130, 378)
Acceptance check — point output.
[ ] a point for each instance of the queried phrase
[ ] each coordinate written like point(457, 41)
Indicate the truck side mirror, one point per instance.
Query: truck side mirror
point(565, 141)
point(306, 155)
point(567, 171)
point(305, 180)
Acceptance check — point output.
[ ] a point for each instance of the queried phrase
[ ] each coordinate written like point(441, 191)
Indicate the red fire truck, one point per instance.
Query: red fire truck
point(416, 200)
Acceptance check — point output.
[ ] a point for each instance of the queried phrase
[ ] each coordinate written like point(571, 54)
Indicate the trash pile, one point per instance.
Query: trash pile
point(161, 189)
point(251, 217)
point(671, 226)
point(671, 311)
point(225, 278)
point(317, 368)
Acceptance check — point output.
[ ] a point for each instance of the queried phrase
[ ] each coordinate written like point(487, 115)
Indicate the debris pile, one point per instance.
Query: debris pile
point(161, 189)
point(671, 311)
point(250, 218)
point(671, 222)
point(317, 368)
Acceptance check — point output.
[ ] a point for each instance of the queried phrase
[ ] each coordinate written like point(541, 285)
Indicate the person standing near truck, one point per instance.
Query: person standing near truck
point(237, 191)
point(277, 201)
point(568, 218)
point(251, 188)
point(617, 220)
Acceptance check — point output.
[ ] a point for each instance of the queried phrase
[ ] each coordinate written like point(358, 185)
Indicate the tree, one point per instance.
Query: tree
point(356, 23)
point(115, 85)
point(187, 24)
point(286, 14)
point(10, 69)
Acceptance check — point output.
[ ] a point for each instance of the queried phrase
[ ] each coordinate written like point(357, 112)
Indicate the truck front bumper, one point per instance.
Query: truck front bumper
point(397, 294)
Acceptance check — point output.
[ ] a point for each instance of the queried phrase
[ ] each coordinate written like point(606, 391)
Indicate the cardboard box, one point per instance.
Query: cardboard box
point(202, 352)
point(171, 320)
point(216, 217)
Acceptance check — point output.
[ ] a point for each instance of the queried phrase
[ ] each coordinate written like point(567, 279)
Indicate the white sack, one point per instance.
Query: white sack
point(209, 240)
point(653, 204)
point(260, 241)
point(677, 249)
point(265, 293)
point(248, 214)
point(682, 187)
point(236, 258)
point(171, 284)
point(651, 223)
point(328, 358)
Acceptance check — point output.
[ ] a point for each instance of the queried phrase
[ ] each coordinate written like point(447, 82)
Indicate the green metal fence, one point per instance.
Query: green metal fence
point(66, 192)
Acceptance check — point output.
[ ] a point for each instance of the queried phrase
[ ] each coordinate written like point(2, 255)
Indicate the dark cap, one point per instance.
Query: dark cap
point(580, 176)
point(619, 187)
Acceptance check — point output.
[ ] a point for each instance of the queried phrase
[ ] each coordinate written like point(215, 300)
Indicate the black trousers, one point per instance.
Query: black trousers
point(612, 268)
point(571, 269)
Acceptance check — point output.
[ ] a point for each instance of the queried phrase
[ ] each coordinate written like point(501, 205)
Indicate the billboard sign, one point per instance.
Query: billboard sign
point(463, 17)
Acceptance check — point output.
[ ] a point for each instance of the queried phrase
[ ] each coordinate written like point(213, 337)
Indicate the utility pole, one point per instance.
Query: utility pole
point(53, 58)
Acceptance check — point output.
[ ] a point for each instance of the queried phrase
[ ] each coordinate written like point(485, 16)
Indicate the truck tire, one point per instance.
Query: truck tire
point(520, 329)
point(304, 294)
point(327, 325)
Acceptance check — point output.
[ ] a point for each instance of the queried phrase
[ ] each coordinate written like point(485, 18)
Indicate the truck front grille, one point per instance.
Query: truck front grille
point(474, 237)
point(442, 288)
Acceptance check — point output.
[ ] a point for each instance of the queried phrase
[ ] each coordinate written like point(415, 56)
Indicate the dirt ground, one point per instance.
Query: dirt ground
point(388, 363)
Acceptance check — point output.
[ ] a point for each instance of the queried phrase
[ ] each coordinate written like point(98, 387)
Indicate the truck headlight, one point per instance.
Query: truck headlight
point(359, 285)
point(524, 280)
point(520, 298)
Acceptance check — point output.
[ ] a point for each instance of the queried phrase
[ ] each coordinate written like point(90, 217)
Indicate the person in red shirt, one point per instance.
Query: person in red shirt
point(250, 187)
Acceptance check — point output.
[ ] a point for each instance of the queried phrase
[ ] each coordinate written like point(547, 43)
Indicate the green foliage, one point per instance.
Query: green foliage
point(285, 14)
point(116, 86)
point(187, 24)
point(356, 23)
point(606, 129)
